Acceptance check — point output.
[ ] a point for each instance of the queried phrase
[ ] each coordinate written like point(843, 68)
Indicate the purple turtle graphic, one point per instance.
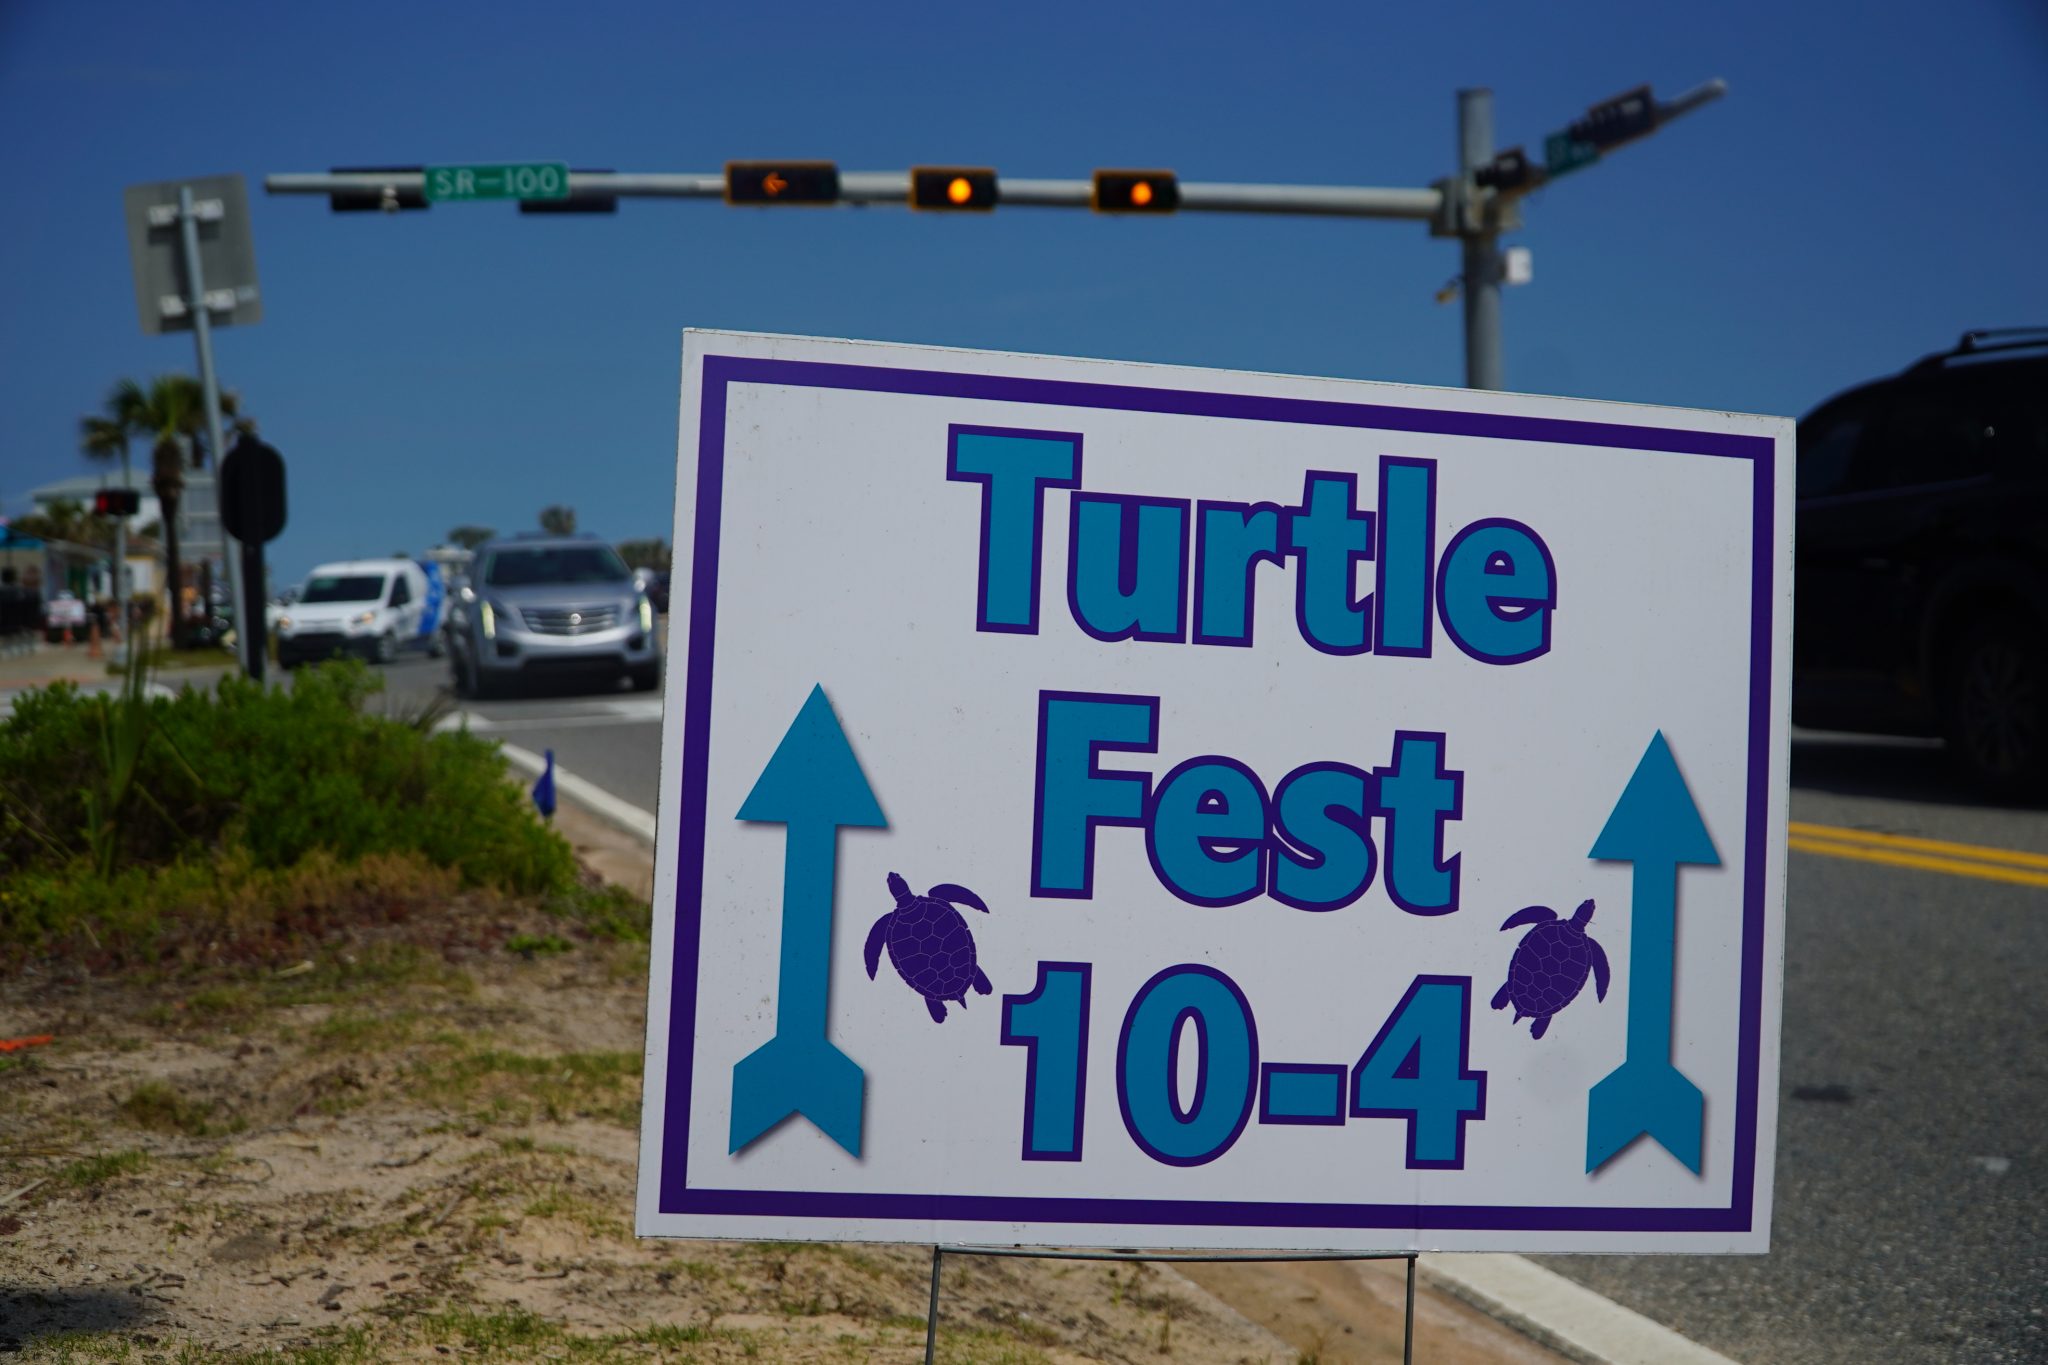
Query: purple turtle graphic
point(929, 944)
point(1549, 967)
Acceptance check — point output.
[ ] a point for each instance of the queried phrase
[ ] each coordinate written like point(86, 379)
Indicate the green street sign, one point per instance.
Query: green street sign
point(524, 180)
point(1562, 152)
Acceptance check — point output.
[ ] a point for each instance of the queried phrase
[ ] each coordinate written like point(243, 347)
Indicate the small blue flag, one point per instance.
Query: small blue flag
point(544, 789)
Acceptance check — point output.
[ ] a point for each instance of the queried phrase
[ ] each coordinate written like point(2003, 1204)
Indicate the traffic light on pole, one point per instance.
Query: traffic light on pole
point(116, 502)
point(386, 199)
point(1135, 192)
point(952, 187)
point(1610, 123)
point(1509, 172)
point(781, 182)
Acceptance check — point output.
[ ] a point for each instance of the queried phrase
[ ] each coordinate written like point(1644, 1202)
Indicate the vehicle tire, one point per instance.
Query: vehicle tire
point(645, 679)
point(1995, 706)
point(436, 646)
point(387, 647)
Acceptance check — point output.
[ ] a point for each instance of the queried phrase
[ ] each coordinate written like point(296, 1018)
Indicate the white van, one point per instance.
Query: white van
point(369, 608)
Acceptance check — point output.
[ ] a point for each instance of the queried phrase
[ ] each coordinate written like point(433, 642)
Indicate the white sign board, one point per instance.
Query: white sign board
point(1118, 805)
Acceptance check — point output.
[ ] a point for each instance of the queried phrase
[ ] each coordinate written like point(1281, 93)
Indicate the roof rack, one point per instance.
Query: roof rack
point(1984, 340)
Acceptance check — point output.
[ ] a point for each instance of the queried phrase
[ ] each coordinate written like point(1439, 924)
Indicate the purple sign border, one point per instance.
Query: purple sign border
point(677, 1196)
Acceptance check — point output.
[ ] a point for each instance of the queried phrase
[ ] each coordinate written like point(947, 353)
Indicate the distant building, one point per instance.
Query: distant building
point(199, 530)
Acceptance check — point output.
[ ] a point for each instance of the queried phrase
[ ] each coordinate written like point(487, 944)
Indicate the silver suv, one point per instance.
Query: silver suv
point(550, 606)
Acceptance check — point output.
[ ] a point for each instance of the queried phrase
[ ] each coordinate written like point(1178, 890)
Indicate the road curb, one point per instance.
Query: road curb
point(1561, 1313)
point(1542, 1305)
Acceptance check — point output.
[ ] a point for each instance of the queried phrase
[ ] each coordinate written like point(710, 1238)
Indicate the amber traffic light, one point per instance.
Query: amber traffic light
point(781, 182)
point(1136, 192)
point(952, 187)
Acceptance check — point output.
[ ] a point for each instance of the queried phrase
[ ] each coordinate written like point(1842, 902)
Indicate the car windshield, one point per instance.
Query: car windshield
point(524, 568)
point(354, 587)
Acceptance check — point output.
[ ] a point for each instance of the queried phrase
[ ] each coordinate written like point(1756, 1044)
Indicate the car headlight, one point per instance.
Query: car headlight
point(284, 622)
point(489, 619)
point(647, 616)
point(362, 618)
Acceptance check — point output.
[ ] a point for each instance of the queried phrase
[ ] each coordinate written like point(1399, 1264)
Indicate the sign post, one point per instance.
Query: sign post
point(1214, 810)
point(183, 234)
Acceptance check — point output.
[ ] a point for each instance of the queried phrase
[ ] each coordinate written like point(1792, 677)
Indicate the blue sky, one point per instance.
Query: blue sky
point(1870, 188)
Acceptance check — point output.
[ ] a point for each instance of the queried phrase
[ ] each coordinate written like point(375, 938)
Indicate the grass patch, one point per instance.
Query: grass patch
point(336, 1346)
point(593, 1217)
point(603, 912)
point(370, 971)
point(220, 1004)
point(98, 1170)
point(517, 1334)
point(495, 1086)
point(160, 1109)
point(361, 1033)
point(530, 946)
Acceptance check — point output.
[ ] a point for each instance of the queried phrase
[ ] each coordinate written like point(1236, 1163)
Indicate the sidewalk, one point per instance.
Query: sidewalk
point(45, 664)
point(42, 664)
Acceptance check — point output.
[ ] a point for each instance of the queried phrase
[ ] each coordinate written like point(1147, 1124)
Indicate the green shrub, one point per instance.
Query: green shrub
point(241, 785)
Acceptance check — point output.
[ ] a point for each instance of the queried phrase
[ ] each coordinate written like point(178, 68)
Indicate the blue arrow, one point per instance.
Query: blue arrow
point(1656, 826)
point(813, 784)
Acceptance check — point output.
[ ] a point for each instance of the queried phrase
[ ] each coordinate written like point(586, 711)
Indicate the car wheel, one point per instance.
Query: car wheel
point(435, 646)
point(387, 647)
point(1997, 707)
point(645, 679)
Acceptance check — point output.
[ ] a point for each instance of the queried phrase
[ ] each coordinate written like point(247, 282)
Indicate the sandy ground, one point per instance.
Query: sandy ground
point(394, 1148)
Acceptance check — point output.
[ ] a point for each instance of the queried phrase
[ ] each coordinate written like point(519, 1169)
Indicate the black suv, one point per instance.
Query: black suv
point(1922, 587)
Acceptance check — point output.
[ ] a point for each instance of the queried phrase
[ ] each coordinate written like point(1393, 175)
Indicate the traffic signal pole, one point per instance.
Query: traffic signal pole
point(1479, 242)
point(1475, 206)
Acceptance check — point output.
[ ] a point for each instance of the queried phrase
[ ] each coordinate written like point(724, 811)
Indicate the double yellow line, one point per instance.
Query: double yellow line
point(1928, 855)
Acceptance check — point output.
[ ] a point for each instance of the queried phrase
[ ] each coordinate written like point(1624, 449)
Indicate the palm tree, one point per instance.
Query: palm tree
point(171, 415)
point(558, 520)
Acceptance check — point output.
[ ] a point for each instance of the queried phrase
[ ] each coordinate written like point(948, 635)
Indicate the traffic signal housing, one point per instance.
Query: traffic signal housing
point(116, 502)
point(1135, 192)
point(781, 182)
point(1624, 118)
point(387, 199)
point(953, 188)
point(1508, 173)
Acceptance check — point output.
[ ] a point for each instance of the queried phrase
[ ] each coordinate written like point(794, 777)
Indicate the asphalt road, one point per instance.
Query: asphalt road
point(1912, 1177)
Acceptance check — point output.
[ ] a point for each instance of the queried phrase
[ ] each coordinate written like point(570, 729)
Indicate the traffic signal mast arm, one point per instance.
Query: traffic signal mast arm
point(1475, 205)
point(893, 187)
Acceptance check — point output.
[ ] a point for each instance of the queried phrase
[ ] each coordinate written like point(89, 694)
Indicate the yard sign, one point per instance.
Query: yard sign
point(1118, 805)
